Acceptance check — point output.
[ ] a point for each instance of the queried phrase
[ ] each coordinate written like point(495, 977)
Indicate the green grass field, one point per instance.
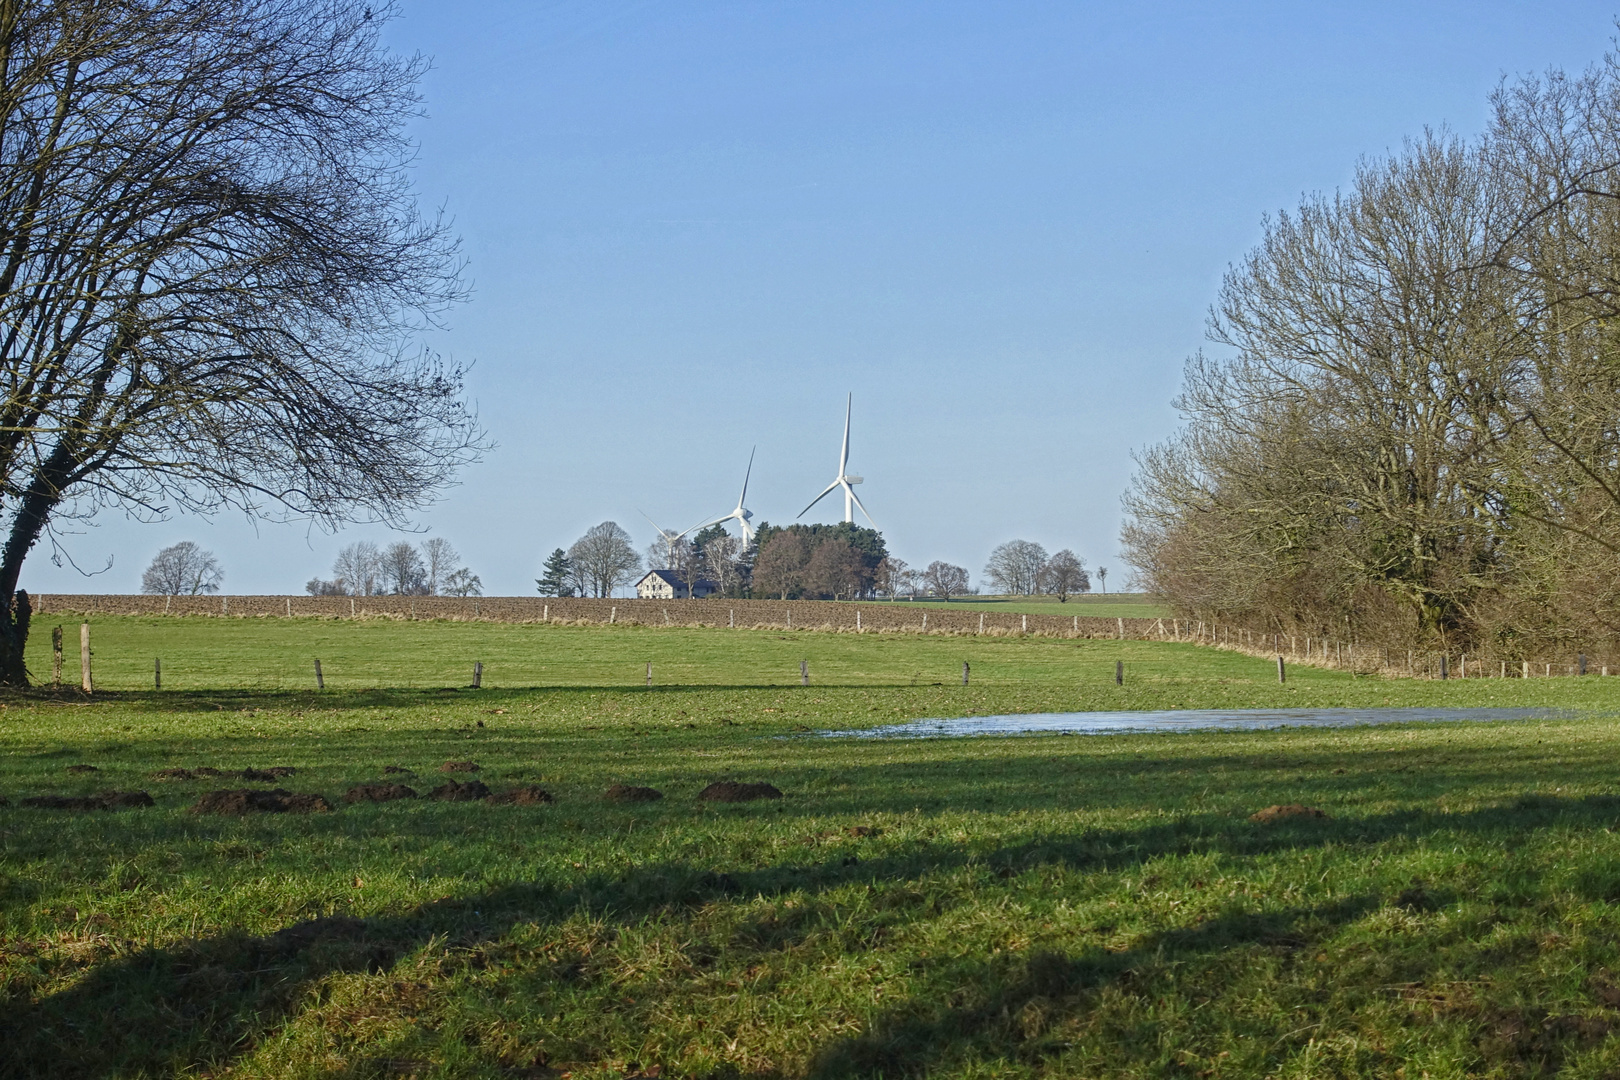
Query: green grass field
point(993, 907)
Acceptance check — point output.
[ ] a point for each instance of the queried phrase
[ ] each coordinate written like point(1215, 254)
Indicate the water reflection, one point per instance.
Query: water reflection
point(1111, 723)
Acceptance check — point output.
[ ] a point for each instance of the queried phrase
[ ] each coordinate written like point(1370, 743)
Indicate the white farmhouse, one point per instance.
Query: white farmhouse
point(668, 585)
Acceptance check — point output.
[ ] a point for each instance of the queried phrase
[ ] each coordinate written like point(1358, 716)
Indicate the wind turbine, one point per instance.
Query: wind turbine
point(669, 538)
point(742, 514)
point(844, 480)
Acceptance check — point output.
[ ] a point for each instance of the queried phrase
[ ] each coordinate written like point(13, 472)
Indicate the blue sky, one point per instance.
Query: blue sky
point(694, 227)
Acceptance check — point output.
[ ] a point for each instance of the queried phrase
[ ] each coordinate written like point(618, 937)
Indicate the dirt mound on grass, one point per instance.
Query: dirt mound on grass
point(397, 770)
point(631, 793)
point(1283, 813)
point(459, 766)
point(82, 768)
point(454, 792)
point(527, 795)
point(105, 800)
point(731, 791)
point(260, 776)
point(378, 793)
point(249, 801)
point(275, 772)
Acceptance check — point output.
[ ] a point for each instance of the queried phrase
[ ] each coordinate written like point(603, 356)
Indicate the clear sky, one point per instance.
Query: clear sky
point(693, 227)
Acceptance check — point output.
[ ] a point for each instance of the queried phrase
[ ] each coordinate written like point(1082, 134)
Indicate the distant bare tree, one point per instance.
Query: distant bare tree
point(402, 571)
point(358, 568)
point(779, 569)
point(835, 570)
point(439, 561)
point(721, 565)
point(463, 582)
point(1102, 577)
point(892, 576)
point(604, 559)
point(1015, 567)
point(183, 569)
point(1066, 573)
point(945, 579)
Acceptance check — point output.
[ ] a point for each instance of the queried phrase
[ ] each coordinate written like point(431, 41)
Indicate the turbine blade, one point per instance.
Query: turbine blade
point(818, 498)
point(857, 499)
point(843, 462)
point(744, 496)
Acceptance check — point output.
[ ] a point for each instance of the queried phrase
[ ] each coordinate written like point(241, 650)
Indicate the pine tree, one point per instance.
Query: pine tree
point(559, 575)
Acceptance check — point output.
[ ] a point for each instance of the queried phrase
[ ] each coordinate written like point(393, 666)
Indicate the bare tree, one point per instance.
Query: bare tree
point(439, 559)
point(721, 563)
point(1015, 567)
point(1066, 573)
point(945, 579)
point(402, 571)
point(604, 559)
point(891, 576)
point(1102, 577)
point(358, 569)
point(780, 566)
point(183, 569)
point(463, 582)
point(835, 570)
point(213, 267)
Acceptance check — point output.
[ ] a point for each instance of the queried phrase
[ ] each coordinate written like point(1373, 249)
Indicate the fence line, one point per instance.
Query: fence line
point(804, 615)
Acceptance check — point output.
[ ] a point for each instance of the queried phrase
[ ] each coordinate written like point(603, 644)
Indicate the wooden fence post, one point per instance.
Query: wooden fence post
point(478, 674)
point(981, 621)
point(649, 673)
point(1444, 675)
point(1026, 624)
point(56, 656)
point(1119, 673)
point(1524, 669)
point(1282, 675)
point(925, 622)
point(731, 618)
point(289, 607)
point(804, 673)
point(84, 659)
point(964, 673)
point(1122, 629)
point(157, 673)
point(857, 620)
point(320, 680)
point(613, 616)
point(1580, 662)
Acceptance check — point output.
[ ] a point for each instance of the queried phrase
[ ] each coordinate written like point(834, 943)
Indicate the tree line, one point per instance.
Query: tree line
point(798, 562)
point(1411, 429)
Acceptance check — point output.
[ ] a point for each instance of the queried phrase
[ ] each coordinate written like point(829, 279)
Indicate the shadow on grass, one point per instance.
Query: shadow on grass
point(202, 1004)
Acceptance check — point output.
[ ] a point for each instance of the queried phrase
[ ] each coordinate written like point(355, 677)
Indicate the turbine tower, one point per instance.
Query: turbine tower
point(742, 515)
point(844, 480)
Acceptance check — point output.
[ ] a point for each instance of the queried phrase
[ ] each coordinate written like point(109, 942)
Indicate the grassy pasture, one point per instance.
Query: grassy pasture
point(1040, 906)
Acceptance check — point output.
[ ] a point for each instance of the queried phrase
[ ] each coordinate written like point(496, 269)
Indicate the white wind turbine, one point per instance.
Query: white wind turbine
point(844, 480)
point(669, 538)
point(742, 515)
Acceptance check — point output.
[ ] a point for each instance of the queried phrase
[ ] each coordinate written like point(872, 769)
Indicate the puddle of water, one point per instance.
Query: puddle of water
point(1113, 723)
